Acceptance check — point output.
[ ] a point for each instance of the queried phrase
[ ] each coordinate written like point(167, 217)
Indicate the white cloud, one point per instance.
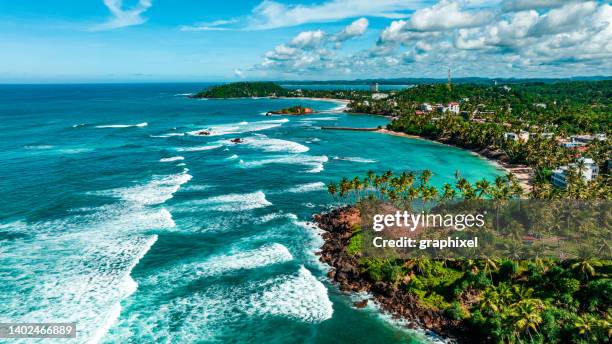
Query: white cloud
point(447, 15)
point(355, 29)
point(308, 39)
point(474, 37)
point(238, 73)
point(217, 25)
point(522, 5)
point(271, 14)
point(124, 17)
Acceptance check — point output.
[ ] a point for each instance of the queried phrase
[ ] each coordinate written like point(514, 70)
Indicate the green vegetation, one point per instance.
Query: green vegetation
point(243, 89)
point(569, 107)
point(498, 300)
point(270, 89)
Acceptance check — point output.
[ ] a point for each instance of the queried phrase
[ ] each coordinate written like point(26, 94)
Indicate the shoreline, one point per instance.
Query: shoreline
point(522, 173)
point(345, 274)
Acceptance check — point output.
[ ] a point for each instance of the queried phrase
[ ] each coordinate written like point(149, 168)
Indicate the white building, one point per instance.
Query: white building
point(426, 107)
point(374, 87)
point(453, 107)
point(378, 96)
point(522, 136)
point(588, 173)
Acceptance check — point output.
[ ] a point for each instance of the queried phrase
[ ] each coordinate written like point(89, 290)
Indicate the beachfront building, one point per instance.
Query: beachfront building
point(589, 171)
point(374, 87)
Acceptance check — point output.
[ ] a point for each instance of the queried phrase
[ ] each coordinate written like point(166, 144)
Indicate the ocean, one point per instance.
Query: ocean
point(116, 216)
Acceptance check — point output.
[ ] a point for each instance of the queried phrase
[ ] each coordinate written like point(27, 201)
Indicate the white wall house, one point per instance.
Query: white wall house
point(588, 173)
point(510, 136)
point(426, 107)
point(378, 96)
point(522, 136)
point(453, 107)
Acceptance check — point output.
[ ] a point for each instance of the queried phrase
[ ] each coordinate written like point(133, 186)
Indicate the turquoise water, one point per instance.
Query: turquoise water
point(116, 217)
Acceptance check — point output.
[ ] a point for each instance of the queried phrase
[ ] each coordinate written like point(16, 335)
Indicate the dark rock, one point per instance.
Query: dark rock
point(360, 304)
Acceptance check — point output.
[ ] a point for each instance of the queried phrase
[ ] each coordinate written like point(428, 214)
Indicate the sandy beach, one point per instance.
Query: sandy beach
point(523, 173)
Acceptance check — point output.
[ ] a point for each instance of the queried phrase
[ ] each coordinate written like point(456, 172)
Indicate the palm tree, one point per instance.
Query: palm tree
point(357, 187)
point(448, 192)
point(483, 188)
point(527, 316)
point(586, 267)
point(489, 265)
point(332, 189)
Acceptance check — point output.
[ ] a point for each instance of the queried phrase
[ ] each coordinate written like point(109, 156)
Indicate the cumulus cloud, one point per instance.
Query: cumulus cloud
point(522, 5)
point(355, 29)
point(308, 49)
point(308, 39)
point(124, 17)
point(575, 31)
point(474, 37)
point(447, 15)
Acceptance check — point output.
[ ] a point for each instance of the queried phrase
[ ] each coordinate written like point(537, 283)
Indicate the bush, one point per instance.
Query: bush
point(456, 311)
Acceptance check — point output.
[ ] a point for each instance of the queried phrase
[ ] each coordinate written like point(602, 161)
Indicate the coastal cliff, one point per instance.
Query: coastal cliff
point(340, 226)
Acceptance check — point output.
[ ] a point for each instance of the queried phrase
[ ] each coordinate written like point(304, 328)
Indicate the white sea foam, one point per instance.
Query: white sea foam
point(239, 128)
point(170, 159)
point(314, 162)
point(299, 296)
point(273, 216)
point(34, 147)
point(272, 145)
point(168, 135)
point(198, 149)
point(157, 191)
point(235, 202)
point(354, 159)
point(84, 261)
point(196, 187)
point(317, 186)
point(139, 125)
point(234, 156)
point(265, 255)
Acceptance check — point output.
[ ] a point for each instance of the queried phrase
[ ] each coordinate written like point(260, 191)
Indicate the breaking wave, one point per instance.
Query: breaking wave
point(139, 125)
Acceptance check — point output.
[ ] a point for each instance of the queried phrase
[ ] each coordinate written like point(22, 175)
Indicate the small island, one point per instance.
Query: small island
point(292, 111)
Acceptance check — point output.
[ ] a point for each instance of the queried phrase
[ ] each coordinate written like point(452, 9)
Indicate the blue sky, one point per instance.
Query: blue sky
point(190, 40)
